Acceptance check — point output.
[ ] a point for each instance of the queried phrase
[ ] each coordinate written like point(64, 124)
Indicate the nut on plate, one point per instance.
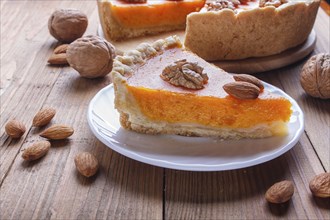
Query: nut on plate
point(67, 25)
point(280, 192)
point(91, 56)
point(86, 163)
point(15, 129)
point(242, 90)
point(250, 79)
point(185, 74)
point(315, 76)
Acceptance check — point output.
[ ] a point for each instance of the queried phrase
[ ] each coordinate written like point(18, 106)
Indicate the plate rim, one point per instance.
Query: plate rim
point(199, 167)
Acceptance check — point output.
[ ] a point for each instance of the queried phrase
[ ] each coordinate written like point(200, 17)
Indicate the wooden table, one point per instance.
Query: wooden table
point(124, 188)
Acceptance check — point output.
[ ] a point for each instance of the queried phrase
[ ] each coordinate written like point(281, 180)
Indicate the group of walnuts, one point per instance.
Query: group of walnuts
point(91, 56)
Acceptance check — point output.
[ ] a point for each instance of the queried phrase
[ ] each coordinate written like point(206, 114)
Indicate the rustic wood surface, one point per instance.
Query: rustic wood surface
point(123, 188)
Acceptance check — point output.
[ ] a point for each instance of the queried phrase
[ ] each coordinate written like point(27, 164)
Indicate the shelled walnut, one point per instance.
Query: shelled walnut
point(185, 74)
point(221, 4)
point(315, 76)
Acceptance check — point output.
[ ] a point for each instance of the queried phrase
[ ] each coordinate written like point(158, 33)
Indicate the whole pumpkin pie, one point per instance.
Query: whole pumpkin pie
point(238, 29)
point(123, 19)
point(161, 88)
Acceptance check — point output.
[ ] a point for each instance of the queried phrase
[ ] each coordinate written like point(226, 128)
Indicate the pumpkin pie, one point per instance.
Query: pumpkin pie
point(123, 19)
point(238, 29)
point(161, 88)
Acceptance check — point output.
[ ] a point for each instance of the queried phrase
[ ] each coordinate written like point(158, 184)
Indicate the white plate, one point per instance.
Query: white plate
point(188, 153)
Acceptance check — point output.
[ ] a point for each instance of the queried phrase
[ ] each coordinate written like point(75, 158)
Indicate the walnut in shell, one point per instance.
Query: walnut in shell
point(280, 192)
point(315, 76)
point(320, 185)
point(91, 56)
point(67, 25)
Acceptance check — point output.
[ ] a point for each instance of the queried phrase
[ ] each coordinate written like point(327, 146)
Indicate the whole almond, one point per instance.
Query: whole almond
point(36, 150)
point(43, 117)
point(61, 49)
point(249, 79)
point(320, 185)
point(86, 164)
point(280, 192)
point(58, 59)
point(57, 132)
point(242, 90)
point(15, 129)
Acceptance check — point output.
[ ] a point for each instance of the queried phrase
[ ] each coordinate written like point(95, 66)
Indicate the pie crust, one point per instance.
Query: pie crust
point(251, 31)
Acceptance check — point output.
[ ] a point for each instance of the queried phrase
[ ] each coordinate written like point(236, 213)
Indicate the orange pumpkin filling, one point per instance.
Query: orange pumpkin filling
point(154, 12)
point(210, 106)
point(227, 112)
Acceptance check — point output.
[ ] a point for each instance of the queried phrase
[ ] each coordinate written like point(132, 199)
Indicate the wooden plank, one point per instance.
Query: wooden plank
point(51, 187)
point(239, 194)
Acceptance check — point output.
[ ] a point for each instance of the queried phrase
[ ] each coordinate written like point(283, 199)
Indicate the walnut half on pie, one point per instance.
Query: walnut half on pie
point(238, 29)
point(161, 88)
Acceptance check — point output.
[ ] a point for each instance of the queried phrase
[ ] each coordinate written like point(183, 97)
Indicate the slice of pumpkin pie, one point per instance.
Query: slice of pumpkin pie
point(123, 19)
point(161, 88)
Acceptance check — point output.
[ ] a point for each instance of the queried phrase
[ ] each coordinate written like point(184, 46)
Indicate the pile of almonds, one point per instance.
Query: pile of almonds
point(85, 162)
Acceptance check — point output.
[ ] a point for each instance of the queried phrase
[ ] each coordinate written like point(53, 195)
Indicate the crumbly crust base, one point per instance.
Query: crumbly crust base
point(149, 127)
point(131, 118)
point(224, 35)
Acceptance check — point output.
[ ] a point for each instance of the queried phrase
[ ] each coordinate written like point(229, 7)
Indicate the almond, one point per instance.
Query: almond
point(61, 49)
point(58, 59)
point(57, 132)
point(43, 117)
point(249, 79)
point(86, 164)
point(15, 129)
point(242, 90)
point(280, 192)
point(320, 185)
point(36, 150)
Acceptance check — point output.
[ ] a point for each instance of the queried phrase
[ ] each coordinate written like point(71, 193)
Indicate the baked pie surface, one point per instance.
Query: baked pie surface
point(148, 104)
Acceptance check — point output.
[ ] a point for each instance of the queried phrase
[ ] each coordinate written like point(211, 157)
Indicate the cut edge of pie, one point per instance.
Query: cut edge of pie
point(120, 20)
point(150, 115)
